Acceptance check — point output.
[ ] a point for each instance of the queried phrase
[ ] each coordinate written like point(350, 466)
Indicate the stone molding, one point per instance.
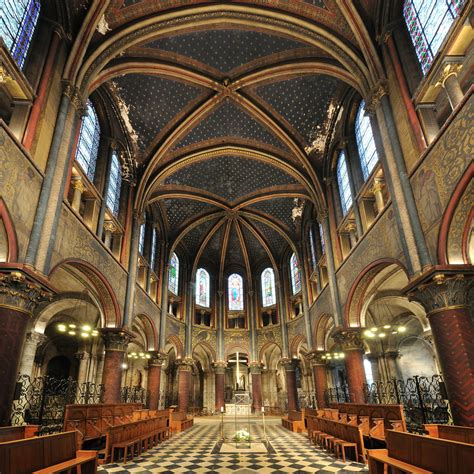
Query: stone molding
point(116, 339)
point(316, 358)
point(349, 339)
point(157, 359)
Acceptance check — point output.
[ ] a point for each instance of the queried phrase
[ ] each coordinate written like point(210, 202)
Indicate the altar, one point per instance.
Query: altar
point(237, 410)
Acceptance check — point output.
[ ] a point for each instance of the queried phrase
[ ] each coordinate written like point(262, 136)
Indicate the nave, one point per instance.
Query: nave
point(191, 451)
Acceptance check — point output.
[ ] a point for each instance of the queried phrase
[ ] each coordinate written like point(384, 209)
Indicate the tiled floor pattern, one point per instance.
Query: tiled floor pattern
point(190, 452)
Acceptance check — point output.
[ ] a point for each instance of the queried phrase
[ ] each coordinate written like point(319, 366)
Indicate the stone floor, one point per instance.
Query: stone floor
point(191, 452)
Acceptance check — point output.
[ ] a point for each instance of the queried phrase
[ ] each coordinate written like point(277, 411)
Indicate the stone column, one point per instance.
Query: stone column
point(19, 295)
point(154, 378)
point(446, 299)
point(320, 376)
point(32, 342)
point(290, 375)
point(164, 294)
point(449, 81)
point(185, 368)
point(256, 372)
point(351, 344)
point(378, 194)
point(105, 190)
point(392, 365)
point(116, 342)
point(109, 229)
point(283, 316)
point(79, 188)
point(220, 367)
point(351, 228)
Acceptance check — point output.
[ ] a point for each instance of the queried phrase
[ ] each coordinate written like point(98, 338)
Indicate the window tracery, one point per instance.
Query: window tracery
point(268, 287)
point(235, 292)
point(203, 288)
point(295, 274)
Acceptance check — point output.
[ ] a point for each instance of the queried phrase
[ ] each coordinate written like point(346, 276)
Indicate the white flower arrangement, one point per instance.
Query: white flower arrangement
point(242, 435)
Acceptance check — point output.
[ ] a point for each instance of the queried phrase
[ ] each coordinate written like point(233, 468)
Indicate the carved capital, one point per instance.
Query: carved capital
point(316, 358)
point(19, 292)
point(392, 355)
point(157, 359)
point(220, 366)
point(4, 76)
point(75, 97)
point(255, 367)
point(77, 184)
point(322, 215)
point(376, 95)
point(449, 69)
point(35, 338)
point(443, 292)
point(378, 185)
point(349, 339)
point(185, 364)
point(288, 364)
point(109, 226)
point(116, 339)
point(82, 355)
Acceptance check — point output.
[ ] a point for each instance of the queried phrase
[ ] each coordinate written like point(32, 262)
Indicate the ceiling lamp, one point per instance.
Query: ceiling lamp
point(333, 355)
point(297, 211)
point(140, 355)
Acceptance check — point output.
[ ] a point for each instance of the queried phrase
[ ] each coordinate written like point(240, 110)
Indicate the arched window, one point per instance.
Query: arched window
point(312, 249)
point(268, 287)
point(295, 274)
point(18, 21)
point(141, 239)
point(88, 146)
point(236, 292)
point(368, 371)
point(153, 249)
point(203, 287)
point(173, 275)
point(428, 22)
point(365, 142)
point(343, 183)
point(321, 238)
point(115, 185)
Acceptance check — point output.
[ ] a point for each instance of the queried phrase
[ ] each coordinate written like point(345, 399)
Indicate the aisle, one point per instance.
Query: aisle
point(190, 452)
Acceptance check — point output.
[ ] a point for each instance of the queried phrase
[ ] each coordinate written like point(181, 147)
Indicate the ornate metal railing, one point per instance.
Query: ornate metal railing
point(42, 401)
point(338, 394)
point(135, 395)
point(306, 400)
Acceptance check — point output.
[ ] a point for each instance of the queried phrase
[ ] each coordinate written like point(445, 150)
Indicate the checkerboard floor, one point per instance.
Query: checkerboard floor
point(190, 452)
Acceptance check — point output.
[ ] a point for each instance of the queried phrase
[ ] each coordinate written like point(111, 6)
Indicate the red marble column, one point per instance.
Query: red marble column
point(220, 387)
point(351, 344)
point(291, 393)
point(256, 372)
point(154, 379)
point(184, 385)
point(116, 342)
point(447, 302)
point(19, 295)
point(320, 377)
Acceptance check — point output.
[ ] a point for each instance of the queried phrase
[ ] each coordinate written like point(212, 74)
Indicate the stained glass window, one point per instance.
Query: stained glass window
point(153, 249)
point(312, 249)
point(115, 184)
point(88, 146)
point(321, 238)
point(365, 142)
point(268, 287)
point(141, 239)
point(203, 287)
point(18, 21)
point(295, 274)
point(428, 22)
point(236, 292)
point(343, 182)
point(173, 275)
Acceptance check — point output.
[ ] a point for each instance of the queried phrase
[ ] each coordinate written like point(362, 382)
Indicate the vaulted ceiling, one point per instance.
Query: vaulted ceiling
point(232, 106)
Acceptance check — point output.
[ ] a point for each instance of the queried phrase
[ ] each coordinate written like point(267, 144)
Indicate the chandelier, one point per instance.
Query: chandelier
point(297, 211)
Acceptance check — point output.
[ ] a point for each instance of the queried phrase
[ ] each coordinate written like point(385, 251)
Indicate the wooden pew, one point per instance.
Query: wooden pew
point(179, 421)
point(310, 415)
point(46, 454)
point(295, 421)
point(463, 434)
point(12, 433)
point(420, 454)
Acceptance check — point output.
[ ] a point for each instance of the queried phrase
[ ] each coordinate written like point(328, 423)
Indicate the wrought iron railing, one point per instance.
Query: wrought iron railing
point(135, 395)
point(338, 394)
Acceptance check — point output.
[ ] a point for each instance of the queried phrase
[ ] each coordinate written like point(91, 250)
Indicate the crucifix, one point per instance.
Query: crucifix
point(237, 375)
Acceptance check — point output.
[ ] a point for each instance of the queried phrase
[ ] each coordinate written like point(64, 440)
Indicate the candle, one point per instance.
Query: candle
point(222, 409)
point(263, 409)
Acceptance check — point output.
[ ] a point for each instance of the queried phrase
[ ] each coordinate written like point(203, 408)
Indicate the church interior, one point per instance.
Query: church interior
point(246, 237)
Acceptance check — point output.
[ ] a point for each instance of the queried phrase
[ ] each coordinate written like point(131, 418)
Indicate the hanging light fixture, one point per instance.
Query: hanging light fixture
point(297, 211)
point(85, 331)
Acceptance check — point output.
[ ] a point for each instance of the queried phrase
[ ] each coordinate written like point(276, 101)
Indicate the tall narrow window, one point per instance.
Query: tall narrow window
point(268, 287)
point(365, 142)
point(173, 276)
point(343, 183)
point(203, 288)
point(18, 21)
point(236, 292)
point(153, 249)
point(141, 239)
point(321, 238)
point(88, 145)
point(115, 184)
point(295, 274)
point(428, 22)
point(312, 249)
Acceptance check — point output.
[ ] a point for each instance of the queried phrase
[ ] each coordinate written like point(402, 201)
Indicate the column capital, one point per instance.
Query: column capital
point(22, 292)
point(186, 364)
point(82, 355)
point(438, 291)
point(77, 183)
point(35, 338)
point(378, 185)
point(116, 339)
point(372, 356)
point(375, 97)
point(450, 68)
point(109, 226)
point(157, 359)
point(75, 97)
point(392, 355)
point(316, 358)
point(349, 339)
point(255, 367)
point(220, 366)
point(322, 215)
point(288, 364)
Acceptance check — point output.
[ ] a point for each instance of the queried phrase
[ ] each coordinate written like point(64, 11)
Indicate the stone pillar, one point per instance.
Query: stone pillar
point(282, 306)
point(351, 344)
point(32, 342)
point(445, 297)
point(220, 367)
point(378, 194)
point(320, 376)
point(78, 188)
point(256, 371)
point(449, 81)
point(109, 229)
point(185, 368)
point(290, 375)
point(116, 343)
point(392, 365)
point(154, 378)
point(19, 295)
point(351, 228)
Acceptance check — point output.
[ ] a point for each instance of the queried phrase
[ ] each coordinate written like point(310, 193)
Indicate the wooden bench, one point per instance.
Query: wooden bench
point(420, 454)
point(295, 421)
point(12, 433)
point(464, 434)
point(46, 454)
point(179, 421)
